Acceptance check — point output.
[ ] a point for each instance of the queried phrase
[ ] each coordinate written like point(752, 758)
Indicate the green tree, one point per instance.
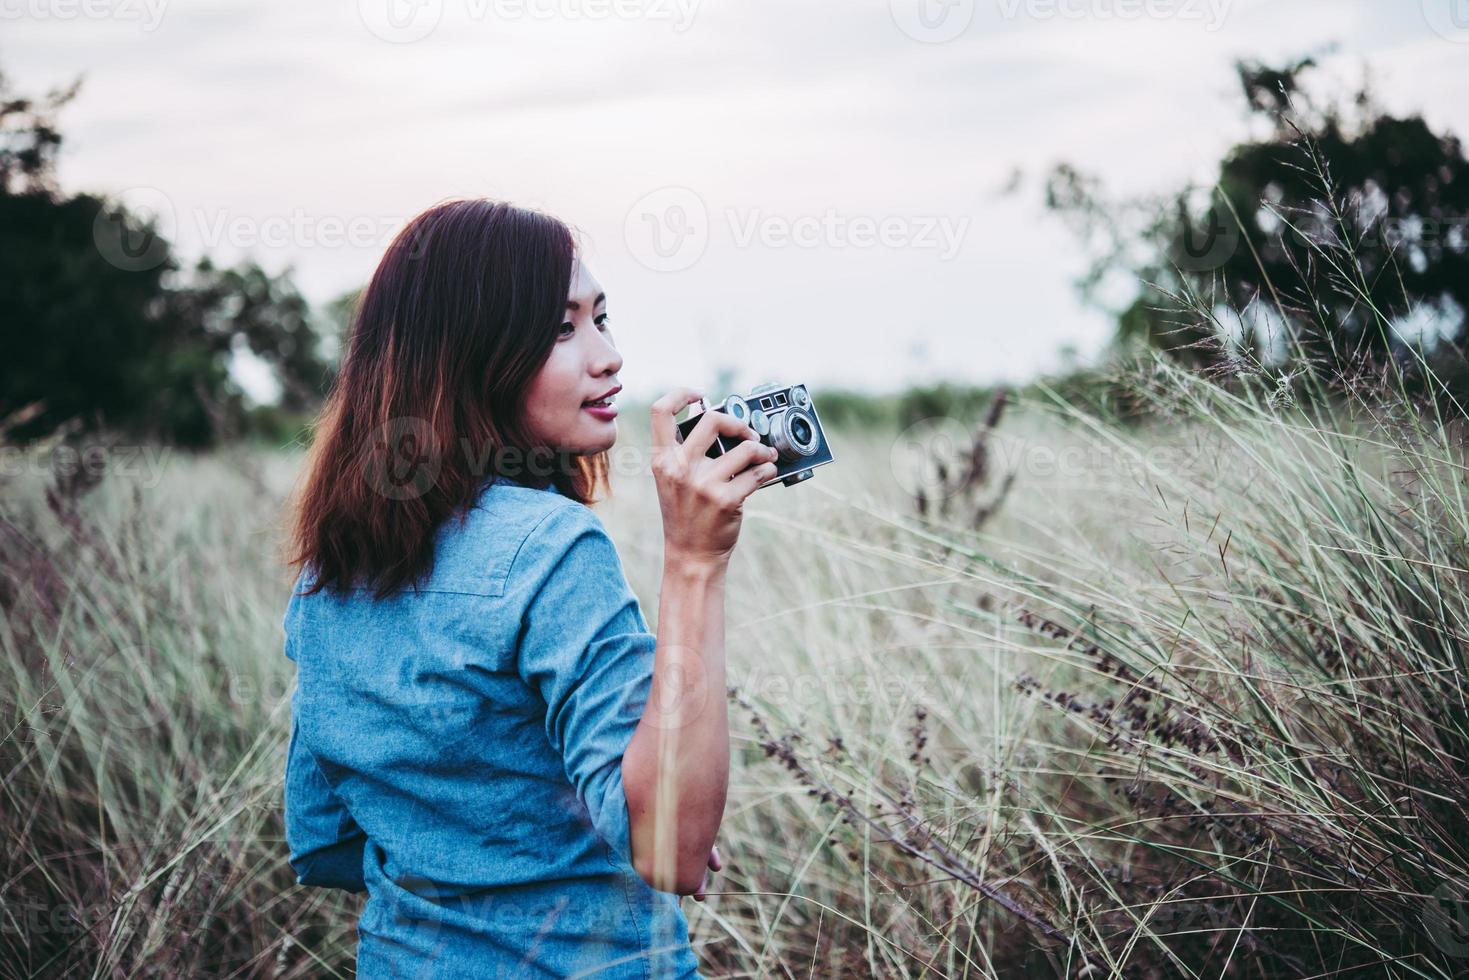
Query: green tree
point(1337, 242)
point(101, 325)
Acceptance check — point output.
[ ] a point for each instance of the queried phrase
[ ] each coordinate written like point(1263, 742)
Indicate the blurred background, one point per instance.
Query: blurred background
point(1126, 636)
point(859, 199)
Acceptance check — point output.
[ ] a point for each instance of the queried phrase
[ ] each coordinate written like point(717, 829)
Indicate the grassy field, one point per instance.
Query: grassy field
point(1182, 698)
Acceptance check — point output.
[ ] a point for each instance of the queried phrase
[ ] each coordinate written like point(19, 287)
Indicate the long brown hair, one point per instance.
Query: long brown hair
point(458, 318)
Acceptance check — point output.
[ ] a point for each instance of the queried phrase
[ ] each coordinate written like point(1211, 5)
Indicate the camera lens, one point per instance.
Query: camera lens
point(793, 433)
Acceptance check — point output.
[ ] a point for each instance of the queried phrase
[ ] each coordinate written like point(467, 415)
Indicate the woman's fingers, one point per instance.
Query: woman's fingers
point(737, 460)
point(665, 430)
point(714, 423)
point(699, 504)
point(715, 864)
point(752, 479)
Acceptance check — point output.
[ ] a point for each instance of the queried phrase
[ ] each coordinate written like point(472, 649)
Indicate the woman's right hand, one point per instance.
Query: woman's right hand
point(702, 499)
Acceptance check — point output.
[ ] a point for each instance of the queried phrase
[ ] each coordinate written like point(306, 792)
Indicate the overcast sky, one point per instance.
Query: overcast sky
point(800, 190)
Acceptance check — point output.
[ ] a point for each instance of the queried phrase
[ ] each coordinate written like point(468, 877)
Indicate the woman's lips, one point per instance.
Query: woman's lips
point(604, 412)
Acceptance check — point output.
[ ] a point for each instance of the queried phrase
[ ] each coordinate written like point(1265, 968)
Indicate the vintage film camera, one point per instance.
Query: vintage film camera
point(784, 417)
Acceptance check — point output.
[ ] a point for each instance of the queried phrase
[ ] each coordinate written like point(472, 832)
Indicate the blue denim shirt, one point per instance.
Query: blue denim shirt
point(457, 754)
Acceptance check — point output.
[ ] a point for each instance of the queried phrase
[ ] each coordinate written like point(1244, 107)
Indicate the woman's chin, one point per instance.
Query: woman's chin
point(592, 444)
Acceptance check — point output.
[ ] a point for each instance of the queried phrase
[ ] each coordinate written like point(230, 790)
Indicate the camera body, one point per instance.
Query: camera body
point(784, 416)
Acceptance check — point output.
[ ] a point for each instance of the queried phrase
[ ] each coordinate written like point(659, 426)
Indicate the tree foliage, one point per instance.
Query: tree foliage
point(1336, 242)
point(103, 327)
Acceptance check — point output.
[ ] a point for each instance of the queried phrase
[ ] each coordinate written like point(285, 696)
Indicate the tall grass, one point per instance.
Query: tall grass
point(144, 700)
point(1190, 702)
point(1233, 745)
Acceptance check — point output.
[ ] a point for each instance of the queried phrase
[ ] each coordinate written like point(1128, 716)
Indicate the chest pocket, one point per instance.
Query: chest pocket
point(479, 575)
point(469, 630)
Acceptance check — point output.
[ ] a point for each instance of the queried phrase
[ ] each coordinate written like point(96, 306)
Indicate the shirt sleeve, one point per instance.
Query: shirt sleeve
point(326, 845)
point(586, 649)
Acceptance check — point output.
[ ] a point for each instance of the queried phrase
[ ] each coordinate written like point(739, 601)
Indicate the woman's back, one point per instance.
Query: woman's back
point(456, 750)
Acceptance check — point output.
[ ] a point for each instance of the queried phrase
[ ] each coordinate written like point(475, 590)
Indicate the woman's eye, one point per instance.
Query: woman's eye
point(567, 328)
point(602, 320)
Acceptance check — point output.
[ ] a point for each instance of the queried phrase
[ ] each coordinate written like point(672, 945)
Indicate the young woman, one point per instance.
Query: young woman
point(485, 737)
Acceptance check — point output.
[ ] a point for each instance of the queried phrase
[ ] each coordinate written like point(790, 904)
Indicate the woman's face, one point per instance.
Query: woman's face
point(582, 367)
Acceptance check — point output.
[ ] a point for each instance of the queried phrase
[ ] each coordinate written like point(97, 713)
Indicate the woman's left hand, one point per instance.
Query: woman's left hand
point(714, 865)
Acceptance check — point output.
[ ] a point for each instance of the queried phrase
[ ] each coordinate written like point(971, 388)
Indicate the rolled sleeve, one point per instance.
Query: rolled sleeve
point(585, 648)
point(326, 845)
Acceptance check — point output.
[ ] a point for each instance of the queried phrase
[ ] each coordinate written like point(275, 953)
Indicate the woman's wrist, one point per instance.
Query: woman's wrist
point(694, 570)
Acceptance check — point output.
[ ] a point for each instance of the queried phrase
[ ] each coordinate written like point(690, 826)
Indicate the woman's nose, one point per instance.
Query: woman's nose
point(607, 359)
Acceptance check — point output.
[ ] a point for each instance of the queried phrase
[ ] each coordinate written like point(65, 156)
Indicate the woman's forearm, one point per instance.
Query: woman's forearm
point(676, 767)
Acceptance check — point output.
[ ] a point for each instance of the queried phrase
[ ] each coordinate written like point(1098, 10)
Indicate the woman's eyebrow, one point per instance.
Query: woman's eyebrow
point(573, 305)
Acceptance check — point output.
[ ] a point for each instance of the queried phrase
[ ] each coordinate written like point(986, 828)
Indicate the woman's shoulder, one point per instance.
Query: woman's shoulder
point(513, 531)
point(546, 515)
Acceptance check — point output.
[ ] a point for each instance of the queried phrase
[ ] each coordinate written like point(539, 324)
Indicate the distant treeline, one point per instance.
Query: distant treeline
point(1330, 255)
